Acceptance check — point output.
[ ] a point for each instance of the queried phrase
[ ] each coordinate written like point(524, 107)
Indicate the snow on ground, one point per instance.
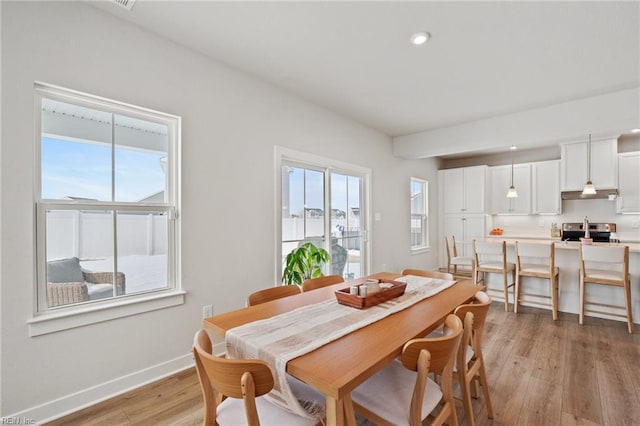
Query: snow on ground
point(142, 273)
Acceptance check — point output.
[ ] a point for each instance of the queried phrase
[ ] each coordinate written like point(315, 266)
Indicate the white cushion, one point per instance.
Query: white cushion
point(496, 265)
point(99, 291)
point(462, 261)
point(535, 268)
point(388, 394)
point(231, 411)
point(600, 274)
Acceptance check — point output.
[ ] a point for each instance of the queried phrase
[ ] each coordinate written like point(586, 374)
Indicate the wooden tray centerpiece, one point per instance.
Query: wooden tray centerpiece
point(388, 290)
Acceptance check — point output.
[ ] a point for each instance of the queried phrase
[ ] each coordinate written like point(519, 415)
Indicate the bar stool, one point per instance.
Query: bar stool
point(490, 257)
point(608, 266)
point(453, 258)
point(538, 261)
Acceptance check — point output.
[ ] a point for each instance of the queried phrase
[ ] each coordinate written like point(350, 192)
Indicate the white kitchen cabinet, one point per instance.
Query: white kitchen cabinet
point(545, 187)
point(464, 189)
point(604, 165)
point(500, 183)
point(628, 183)
point(465, 228)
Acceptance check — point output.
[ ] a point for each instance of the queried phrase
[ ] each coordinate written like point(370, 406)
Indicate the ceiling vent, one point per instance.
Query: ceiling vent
point(127, 4)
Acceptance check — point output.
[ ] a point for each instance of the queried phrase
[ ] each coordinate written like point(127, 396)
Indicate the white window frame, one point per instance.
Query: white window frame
point(48, 320)
point(415, 249)
point(286, 155)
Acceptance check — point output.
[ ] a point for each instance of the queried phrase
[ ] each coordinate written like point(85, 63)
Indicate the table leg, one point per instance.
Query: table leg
point(335, 412)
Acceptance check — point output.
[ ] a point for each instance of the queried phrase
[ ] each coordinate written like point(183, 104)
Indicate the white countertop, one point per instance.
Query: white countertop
point(569, 245)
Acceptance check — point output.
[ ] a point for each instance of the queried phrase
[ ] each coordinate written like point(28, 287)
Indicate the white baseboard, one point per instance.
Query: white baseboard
point(87, 397)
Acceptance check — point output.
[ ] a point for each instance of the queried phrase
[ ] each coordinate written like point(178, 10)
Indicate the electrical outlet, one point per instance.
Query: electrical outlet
point(634, 224)
point(207, 311)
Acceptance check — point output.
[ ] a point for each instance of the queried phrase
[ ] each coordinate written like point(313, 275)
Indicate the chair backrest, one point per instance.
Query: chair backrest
point(452, 250)
point(234, 378)
point(437, 355)
point(273, 293)
point(605, 257)
point(465, 341)
point(489, 252)
point(479, 307)
point(429, 274)
point(323, 281)
point(540, 254)
point(442, 349)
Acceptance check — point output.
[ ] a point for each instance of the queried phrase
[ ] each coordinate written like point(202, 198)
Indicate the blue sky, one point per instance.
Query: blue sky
point(76, 169)
point(345, 190)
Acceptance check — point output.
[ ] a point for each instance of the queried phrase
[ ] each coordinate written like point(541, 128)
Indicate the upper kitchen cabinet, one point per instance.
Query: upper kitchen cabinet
point(604, 165)
point(500, 183)
point(545, 177)
point(464, 189)
point(629, 183)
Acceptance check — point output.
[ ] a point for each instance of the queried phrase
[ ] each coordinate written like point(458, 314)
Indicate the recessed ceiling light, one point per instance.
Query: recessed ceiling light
point(512, 147)
point(635, 130)
point(420, 38)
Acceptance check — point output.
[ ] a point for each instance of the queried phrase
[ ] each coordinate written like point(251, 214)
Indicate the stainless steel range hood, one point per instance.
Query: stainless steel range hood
point(602, 194)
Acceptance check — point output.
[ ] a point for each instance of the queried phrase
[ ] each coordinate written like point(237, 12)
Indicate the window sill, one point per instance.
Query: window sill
point(419, 250)
point(51, 322)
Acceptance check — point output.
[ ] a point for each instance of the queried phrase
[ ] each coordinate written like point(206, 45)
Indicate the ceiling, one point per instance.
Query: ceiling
point(484, 59)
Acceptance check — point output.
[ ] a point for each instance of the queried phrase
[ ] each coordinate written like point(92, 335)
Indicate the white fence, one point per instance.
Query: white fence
point(89, 235)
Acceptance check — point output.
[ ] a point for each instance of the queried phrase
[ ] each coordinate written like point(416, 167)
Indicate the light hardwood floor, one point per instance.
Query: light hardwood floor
point(540, 372)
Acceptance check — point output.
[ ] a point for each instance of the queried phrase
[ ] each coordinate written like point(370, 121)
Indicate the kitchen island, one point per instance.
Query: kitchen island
point(567, 259)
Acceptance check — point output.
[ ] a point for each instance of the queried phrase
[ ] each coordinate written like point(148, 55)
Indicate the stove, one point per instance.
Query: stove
point(599, 232)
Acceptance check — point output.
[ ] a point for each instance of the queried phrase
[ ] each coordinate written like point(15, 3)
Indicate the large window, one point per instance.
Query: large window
point(324, 202)
point(107, 200)
point(419, 197)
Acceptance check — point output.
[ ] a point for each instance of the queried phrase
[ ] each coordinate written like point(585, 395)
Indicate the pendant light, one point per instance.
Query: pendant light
point(512, 193)
point(589, 188)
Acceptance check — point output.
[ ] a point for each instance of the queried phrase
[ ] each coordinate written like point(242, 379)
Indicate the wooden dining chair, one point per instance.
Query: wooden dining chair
point(231, 389)
point(470, 365)
point(537, 261)
point(322, 281)
point(272, 293)
point(402, 394)
point(454, 259)
point(428, 274)
point(491, 258)
point(606, 266)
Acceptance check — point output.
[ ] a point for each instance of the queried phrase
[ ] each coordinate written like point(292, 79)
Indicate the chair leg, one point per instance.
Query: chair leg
point(465, 384)
point(581, 315)
point(516, 298)
point(513, 281)
point(506, 291)
point(627, 296)
point(485, 390)
point(553, 281)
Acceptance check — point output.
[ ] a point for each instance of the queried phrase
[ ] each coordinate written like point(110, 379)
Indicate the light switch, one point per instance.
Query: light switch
point(377, 217)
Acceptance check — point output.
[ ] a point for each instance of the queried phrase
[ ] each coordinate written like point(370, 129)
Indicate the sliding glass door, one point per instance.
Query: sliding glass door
point(325, 206)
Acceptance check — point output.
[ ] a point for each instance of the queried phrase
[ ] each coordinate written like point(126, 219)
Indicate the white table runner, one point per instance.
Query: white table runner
point(279, 339)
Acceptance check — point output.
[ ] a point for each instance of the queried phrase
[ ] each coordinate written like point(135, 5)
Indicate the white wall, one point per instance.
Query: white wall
point(231, 123)
point(601, 115)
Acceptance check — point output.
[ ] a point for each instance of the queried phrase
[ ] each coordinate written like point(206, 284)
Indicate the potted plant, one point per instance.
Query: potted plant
point(303, 263)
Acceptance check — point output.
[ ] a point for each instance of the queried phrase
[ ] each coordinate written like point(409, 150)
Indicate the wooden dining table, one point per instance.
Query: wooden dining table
point(338, 367)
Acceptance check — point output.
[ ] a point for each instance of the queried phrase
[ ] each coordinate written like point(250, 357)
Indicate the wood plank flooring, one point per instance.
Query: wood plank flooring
point(540, 372)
